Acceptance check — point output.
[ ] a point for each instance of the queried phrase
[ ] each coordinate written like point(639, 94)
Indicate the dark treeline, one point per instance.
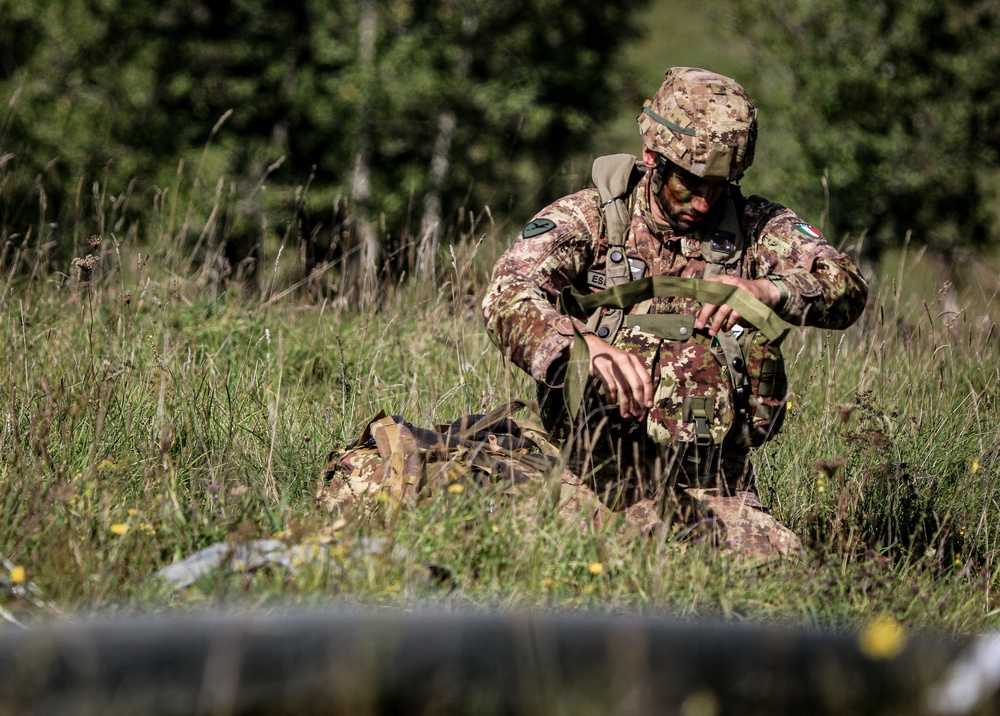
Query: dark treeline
point(370, 123)
point(362, 133)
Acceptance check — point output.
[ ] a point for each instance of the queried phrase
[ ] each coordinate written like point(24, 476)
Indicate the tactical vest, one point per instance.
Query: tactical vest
point(616, 177)
point(706, 388)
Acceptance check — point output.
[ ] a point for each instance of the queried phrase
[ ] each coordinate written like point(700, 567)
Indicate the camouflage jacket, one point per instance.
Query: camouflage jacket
point(824, 287)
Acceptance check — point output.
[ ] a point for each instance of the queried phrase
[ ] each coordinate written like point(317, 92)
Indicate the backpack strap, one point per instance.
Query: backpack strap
point(623, 296)
point(754, 311)
point(615, 177)
point(723, 243)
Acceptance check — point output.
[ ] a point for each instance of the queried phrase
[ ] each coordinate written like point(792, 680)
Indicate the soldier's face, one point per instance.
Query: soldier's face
point(686, 199)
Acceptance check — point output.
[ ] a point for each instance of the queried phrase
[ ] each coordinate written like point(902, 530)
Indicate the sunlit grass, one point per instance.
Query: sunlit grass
point(149, 413)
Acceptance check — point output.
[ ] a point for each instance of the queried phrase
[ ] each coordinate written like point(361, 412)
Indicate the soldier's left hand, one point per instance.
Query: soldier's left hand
point(724, 318)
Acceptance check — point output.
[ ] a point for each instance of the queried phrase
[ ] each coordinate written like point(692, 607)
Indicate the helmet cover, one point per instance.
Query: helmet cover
point(703, 122)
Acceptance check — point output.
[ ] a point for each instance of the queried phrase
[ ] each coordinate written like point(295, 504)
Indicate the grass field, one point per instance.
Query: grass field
point(149, 411)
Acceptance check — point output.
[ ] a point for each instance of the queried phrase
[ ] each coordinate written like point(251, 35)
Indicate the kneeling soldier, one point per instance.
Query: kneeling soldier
point(650, 311)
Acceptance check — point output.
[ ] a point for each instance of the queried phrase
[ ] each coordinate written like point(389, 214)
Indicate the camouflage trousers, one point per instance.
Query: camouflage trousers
point(394, 464)
point(708, 490)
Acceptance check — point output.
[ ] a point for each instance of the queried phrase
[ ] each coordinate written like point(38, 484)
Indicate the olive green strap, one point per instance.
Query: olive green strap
point(756, 313)
point(625, 295)
point(577, 373)
point(490, 419)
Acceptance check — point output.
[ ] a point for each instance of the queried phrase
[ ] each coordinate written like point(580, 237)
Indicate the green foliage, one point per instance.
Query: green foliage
point(248, 90)
point(894, 103)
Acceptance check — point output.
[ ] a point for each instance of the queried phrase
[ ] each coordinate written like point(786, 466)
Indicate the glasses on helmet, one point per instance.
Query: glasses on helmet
point(693, 183)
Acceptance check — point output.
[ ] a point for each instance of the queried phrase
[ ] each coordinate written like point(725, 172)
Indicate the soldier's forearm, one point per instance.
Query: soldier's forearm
point(832, 295)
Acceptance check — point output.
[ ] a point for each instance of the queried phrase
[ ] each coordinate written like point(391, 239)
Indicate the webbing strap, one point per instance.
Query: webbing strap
point(491, 418)
point(759, 315)
point(615, 177)
point(756, 313)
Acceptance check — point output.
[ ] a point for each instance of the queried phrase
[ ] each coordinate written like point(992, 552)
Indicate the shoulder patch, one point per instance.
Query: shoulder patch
point(809, 230)
point(537, 227)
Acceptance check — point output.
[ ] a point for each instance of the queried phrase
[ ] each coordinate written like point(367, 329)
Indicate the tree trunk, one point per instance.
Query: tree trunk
point(430, 222)
point(361, 278)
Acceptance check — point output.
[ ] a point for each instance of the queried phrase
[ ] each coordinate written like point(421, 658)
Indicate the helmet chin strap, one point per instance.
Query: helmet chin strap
point(656, 180)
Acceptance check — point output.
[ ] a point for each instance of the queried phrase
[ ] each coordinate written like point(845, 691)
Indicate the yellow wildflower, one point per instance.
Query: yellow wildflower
point(119, 528)
point(495, 528)
point(884, 638)
point(546, 583)
point(700, 703)
point(595, 568)
point(18, 575)
point(455, 488)
point(975, 466)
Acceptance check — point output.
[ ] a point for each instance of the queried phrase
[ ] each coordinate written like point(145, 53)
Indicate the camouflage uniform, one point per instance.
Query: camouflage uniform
point(820, 287)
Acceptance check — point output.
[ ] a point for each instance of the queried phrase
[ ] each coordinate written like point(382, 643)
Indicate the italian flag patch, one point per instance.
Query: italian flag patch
point(809, 230)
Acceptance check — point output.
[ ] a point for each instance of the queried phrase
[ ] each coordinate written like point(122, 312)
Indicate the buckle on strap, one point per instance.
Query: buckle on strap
point(699, 410)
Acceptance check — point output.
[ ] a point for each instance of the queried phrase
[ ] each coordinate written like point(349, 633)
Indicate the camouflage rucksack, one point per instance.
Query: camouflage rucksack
point(395, 464)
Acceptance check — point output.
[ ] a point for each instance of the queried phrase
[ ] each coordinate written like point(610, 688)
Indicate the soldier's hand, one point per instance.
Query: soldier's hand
point(724, 318)
point(624, 376)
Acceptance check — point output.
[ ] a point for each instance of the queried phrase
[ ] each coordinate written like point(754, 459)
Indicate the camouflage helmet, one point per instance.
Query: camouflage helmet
point(703, 122)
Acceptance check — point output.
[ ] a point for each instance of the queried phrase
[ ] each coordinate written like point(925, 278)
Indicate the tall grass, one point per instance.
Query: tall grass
point(150, 410)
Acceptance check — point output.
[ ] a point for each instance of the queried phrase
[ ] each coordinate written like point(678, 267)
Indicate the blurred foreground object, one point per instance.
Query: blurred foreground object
point(441, 663)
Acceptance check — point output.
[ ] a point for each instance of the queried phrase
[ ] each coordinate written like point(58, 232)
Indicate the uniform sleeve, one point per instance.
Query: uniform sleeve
point(520, 307)
point(824, 287)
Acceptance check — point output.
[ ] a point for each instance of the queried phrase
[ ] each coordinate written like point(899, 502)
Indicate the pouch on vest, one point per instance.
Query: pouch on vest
point(704, 387)
point(765, 368)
